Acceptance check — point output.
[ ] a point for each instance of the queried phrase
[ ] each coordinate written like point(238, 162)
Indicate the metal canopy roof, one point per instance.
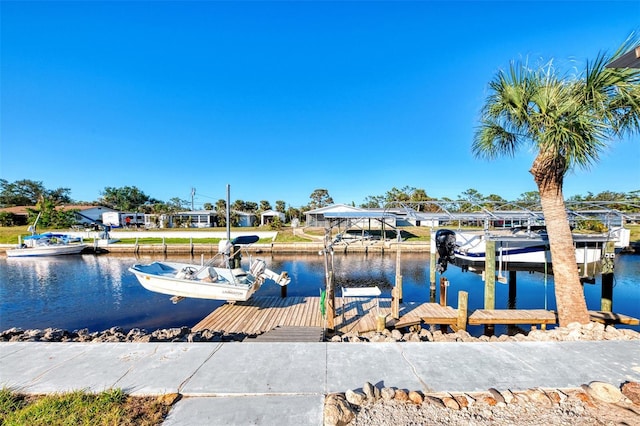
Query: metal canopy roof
point(630, 59)
point(359, 215)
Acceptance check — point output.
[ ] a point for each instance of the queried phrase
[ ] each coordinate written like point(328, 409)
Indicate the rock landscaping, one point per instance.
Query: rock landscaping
point(596, 403)
point(573, 332)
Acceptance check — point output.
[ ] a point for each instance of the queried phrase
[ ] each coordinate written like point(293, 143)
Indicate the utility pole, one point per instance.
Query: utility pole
point(193, 193)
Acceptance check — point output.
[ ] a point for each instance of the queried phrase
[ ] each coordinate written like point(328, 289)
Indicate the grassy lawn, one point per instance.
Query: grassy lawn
point(9, 235)
point(111, 407)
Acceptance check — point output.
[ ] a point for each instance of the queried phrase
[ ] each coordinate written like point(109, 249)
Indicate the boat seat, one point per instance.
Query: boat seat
point(212, 275)
point(157, 269)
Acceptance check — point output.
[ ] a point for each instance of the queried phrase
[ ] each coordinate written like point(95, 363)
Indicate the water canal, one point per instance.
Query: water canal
point(97, 292)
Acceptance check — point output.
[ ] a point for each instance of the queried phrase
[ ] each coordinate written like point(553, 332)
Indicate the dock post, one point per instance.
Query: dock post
point(444, 283)
point(398, 275)
point(137, 247)
point(463, 303)
point(395, 304)
point(164, 246)
point(191, 245)
point(606, 299)
point(606, 302)
point(511, 304)
point(490, 275)
point(490, 281)
point(283, 291)
point(381, 322)
point(432, 268)
point(330, 300)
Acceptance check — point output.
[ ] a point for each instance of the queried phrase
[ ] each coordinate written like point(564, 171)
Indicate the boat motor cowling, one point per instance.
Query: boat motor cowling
point(445, 244)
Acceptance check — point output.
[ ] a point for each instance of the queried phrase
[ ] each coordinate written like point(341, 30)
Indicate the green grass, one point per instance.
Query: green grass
point(111, 407)
point(9, 235)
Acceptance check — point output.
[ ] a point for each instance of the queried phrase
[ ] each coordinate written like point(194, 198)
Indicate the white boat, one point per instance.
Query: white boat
point(531, 246)
point(47, 244)
point(220, 279)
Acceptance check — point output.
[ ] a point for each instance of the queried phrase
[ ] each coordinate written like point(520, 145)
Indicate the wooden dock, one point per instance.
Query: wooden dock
point(300, 318)
point(262, 314)
point(427, 313)
point(533, 317)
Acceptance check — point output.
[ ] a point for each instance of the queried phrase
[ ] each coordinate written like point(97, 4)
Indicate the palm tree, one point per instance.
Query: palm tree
point(568, 121)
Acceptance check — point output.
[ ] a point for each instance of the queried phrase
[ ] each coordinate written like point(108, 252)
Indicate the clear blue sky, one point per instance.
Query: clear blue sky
point(278, 99)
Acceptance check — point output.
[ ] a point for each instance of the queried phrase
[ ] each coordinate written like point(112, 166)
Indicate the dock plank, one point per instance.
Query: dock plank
point(511, 316)
point(613, 318)
point(429, 313)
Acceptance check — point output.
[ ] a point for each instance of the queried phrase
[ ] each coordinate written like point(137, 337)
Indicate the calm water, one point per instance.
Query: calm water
point(97, 292)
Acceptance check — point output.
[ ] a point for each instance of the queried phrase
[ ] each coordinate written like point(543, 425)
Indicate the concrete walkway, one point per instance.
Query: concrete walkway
point(252, 383)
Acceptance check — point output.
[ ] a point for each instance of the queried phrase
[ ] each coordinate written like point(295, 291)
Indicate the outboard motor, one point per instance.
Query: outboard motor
point(445, 244)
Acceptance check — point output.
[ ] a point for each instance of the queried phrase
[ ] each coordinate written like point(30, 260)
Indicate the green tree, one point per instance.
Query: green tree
point(51, 216)
point(292, 213)
point(320, 198)
point(126, 198)
point(264, 206)
point(251, 207)
point(177, 204)
point(530, 199)
point(27, 192)
point(221, 212)
point(568, 122)
point(395, 194)
point(7, 219)
point(281, 206)
point(373, 202)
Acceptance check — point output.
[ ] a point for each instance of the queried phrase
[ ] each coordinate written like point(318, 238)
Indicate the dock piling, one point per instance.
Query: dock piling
point(463, 303)
point(444, 284)
point(490, 275)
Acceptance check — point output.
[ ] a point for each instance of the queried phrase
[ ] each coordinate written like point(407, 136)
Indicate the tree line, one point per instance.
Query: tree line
point(31, 193)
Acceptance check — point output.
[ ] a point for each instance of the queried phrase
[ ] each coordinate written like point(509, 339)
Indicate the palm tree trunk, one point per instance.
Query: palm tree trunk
point(570, 299)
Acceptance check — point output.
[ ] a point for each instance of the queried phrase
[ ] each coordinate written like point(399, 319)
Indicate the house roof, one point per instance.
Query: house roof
point(358, 215)
point(335, 208)
point(23, 209)
point(631, 59)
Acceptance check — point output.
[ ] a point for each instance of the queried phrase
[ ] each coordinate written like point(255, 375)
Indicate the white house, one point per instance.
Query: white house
point(315, 218)
point(89, 214)
point(266, 217)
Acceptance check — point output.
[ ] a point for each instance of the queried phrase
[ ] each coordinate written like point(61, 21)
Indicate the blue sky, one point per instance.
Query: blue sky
point(278, 99)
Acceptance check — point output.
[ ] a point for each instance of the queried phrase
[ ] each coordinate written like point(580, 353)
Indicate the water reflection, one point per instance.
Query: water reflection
point(98, 292)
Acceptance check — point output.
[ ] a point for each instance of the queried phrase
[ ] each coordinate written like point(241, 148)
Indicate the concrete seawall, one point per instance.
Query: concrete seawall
point(198, 248)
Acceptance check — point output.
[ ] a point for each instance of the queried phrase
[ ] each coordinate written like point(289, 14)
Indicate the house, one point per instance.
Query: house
point(85, 215)
point(245, 219)
point(315, 218)
point(267, 217)
point(195, 219)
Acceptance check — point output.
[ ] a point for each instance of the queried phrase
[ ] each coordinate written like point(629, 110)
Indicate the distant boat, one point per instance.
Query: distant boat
point(531, 246)
point(221, 278)
point(47, 244)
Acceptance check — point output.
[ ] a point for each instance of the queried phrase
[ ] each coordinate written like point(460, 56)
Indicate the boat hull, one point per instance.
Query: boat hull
point(57, 250)
point(166, 278)
point(471, 249)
